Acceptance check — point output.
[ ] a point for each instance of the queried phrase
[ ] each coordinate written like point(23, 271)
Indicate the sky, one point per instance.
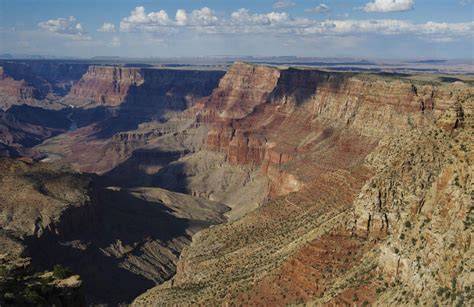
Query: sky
point(389, 29)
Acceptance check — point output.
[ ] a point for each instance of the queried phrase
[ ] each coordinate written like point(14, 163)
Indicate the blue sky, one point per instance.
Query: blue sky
point(165, 28)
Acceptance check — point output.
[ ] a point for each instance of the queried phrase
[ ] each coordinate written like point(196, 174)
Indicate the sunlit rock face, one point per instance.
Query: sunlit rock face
point(344, 188)
point(368, 189)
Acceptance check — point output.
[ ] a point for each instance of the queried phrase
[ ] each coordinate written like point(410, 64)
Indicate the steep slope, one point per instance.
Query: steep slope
point(24, 126)
point(420, 203)
point(311, 135)
point(141, 87)
point(100, 146)
point(37, 83)
point(133, 237)
point(33, 200)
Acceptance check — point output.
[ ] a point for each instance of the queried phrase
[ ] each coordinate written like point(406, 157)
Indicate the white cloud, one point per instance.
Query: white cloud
point(283, 4)
point(159, 21)
point(181, 17)
point(322, 8)
point(243, 17)
point(242, 22)
point(68, 27)
point(203, 17)
point(389, 5)
point(141, 21)
point(107, 27)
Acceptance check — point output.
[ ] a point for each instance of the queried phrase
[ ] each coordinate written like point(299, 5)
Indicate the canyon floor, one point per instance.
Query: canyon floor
point(242, 185)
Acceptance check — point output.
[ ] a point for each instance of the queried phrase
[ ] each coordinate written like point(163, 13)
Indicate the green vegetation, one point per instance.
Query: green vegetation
point(61, 272)
point(19, 286)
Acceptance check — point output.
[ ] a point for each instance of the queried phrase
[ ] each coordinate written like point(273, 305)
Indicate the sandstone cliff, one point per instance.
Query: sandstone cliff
point(345, 188)
point(113, 86)
point(37, 83)
point(420, 202)
point(286, 114)
point(311, 133)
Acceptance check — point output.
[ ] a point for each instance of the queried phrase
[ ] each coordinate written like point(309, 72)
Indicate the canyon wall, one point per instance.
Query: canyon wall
point(62, 217)
point(370, 184)
point(111, 139)
point(339, 184)
point(420, 204)
point(113, 86)
point(37, 83)
point(267, 116)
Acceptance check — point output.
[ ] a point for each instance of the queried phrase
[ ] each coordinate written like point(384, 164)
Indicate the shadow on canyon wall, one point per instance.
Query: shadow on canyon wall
point(133, 171)
point(96, 242)
point(47, 77)
point(161, 91)
point(300, 84)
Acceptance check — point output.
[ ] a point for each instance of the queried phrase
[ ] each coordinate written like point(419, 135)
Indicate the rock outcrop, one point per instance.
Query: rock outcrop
point(311, 135)
point(133, 237)
point(267, 116)
point(37, 83)
point(24, 126)
point(148, 88)
point(420, 202)
point(345, 188)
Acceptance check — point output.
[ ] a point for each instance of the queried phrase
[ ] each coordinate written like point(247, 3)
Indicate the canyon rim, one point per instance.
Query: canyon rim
point(178, 177)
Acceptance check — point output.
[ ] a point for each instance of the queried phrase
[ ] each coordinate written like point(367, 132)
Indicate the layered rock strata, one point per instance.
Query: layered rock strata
point(333, 133)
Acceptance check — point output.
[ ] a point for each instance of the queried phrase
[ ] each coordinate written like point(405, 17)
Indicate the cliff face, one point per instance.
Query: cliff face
point(14, 91)
point(370, 185)
point(266, 116)
point(37, 83)
point(420, 203)
point(106, 85)
point(113, 86)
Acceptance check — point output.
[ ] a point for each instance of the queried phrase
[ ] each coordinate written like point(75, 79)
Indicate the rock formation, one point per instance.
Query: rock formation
point(311, 134)
point(344, 188)
point(121, 242)
point(112, 86)
point(37, 83)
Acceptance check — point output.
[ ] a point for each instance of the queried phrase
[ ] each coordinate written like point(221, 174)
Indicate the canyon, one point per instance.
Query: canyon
point(258, 185)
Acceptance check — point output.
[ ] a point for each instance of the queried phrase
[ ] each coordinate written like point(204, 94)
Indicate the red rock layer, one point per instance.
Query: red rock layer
point(265, 116)
point(106, 85)
point(141, 88)
point(37, 83)
point(13, 91)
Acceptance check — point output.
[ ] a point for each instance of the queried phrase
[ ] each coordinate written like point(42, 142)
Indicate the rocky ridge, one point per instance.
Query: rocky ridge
point(331, 130)
point(53, 215)
point(345, 188)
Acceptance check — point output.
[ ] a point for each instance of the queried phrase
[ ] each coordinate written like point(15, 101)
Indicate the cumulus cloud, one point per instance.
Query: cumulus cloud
point(107, 27)
point(243, 21)
point(159, 21)
point(243, 17)
point(140, 20)
point(389, 6)
point(203, 17)
point(181, 17)
point(322, 8)
point(282, 4)
point(68, 27)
